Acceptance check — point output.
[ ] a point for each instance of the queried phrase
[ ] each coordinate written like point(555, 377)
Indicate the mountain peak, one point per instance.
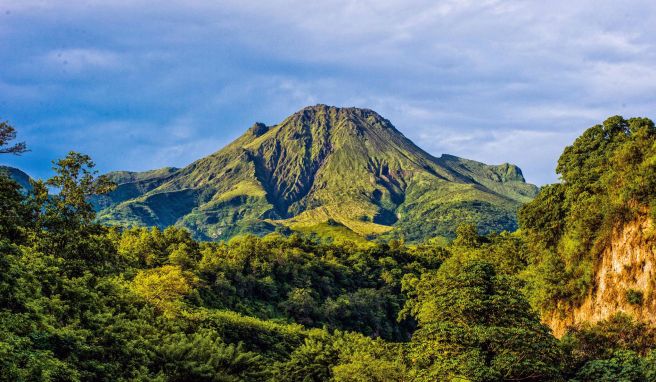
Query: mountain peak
point(326, 111)
point(324, 164)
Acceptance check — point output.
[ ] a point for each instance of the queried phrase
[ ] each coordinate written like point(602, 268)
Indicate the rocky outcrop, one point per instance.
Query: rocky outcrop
point(625, 279)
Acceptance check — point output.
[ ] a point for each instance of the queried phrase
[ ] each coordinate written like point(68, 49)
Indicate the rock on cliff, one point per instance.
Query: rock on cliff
point(625, 278)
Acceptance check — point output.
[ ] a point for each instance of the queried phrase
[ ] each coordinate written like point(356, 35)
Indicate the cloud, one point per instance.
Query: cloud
point(142, 84)
point(77, 59)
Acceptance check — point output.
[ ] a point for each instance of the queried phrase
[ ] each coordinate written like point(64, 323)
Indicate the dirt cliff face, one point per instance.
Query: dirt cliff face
point(625, 279)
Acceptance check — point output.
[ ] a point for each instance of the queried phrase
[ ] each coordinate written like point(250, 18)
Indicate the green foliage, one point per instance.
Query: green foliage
point(203, 356)
point(622, 366)
point(467, 236)
point(344, 287)
point(311, 362)
point(7, 135)
point(343, 357)
point(84, 302)
point(621, 332)
point(634, 297)
point(163, 287)
point(474, 324)
point(75, 181)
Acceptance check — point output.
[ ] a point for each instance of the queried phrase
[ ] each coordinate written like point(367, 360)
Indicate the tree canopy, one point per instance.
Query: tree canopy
point(84, 302)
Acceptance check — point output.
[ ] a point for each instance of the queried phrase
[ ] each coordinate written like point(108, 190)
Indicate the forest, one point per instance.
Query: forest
point(80, 301)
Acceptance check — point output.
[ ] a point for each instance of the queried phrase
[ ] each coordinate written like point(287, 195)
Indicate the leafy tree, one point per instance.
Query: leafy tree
point(625, 366)
point(467, 236)
point(301, 305)
point(163, 287)
point(82, 302)
point(203, 356)
point(362, 359)
point(603, 340)
point(16, 214)
point(474, 324)
point(311, 362)
point(75, 181)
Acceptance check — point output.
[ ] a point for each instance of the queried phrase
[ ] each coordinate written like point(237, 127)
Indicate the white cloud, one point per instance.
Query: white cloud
point(78, 59)
point(484, 79)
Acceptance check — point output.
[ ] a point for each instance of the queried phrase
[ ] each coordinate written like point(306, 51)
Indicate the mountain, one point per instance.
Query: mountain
point(18, 176)
point(323, 169)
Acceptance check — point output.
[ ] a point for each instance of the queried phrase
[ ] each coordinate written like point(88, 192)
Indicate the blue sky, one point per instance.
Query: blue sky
point(140, 85)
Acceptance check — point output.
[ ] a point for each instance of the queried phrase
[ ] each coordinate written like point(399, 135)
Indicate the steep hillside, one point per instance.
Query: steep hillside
point(322, 164)
point(624, 280)
point(592, 234)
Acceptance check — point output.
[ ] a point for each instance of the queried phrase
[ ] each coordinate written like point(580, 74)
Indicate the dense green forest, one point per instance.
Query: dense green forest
point(84, 302)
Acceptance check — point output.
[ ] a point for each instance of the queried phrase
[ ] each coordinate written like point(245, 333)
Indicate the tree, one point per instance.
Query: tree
point(467, 236)
point(624, 365)
point(310, 362)
point(606, 339)
point(474, 324)
point(8, 134)
point(204, 357)
point(16, 212)
point(76, 181)
point(607, 179)
point(362, 359)
point(163, 287)
point(66, 220)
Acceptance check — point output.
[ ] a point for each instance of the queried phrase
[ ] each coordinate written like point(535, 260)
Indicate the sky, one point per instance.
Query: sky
point(140, 84)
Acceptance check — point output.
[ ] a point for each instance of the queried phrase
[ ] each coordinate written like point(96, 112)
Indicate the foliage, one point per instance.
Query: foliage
point(199, 355)
point(162, 287)
point(84, 302)
point(587, 342)
point(622, 366)
point(474, 324)
point(634, 297)
point(339, 286)
point(8, 134)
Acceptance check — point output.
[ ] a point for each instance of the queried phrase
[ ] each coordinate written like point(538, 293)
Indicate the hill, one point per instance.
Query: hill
point(344, 166)
point(18, 176)
point(593, 234)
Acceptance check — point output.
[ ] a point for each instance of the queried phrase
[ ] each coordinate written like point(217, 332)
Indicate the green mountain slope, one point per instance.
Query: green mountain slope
point(18, 176)
point(321, 165)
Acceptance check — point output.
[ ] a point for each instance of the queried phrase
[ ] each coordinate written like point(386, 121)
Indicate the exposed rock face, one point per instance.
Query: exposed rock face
point(625, 278)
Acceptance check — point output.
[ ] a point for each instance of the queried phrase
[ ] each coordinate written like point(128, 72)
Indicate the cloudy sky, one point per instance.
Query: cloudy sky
point(140, 85)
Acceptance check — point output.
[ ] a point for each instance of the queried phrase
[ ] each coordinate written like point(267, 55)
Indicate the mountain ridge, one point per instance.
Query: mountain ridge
point(320, 164)
point(19, 176)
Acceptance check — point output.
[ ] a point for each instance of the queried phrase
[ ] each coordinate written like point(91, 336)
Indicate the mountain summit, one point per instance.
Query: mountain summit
point(344, 168)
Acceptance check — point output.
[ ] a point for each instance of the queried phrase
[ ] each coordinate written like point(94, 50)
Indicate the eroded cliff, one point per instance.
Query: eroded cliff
point(624, 280)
